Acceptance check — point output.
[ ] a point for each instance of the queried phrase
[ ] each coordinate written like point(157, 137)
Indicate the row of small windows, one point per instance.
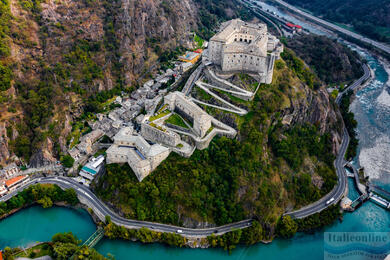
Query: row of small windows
point(257, 64)
point(245, 40)
point(246, 57)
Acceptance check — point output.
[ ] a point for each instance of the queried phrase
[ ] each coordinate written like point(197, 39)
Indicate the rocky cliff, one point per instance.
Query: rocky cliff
point(61, 53)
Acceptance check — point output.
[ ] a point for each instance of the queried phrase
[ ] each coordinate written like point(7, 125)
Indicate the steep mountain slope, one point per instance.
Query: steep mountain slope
point(55, 56)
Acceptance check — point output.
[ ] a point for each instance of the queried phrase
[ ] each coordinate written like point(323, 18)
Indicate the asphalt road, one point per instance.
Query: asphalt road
point(382, 46)
point(338, 191)
point(100, 208)
point(356, 84)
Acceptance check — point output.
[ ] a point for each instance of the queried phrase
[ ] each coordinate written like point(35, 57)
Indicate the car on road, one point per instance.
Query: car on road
point(329, 201)
point(179, 231)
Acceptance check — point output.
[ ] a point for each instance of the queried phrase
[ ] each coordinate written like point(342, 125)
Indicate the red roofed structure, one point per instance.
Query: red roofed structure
point(11, 183)
point(294, 25)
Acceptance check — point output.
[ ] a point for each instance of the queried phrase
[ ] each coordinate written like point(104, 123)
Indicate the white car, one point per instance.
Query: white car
point(179, 231)
point(329, 201)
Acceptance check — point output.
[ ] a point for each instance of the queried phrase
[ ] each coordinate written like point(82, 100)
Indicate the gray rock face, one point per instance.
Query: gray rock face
point(4, 152)
point(44, 156)
point(318, 110)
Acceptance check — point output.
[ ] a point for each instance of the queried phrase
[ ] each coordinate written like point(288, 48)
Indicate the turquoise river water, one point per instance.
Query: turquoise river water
point(372, 108)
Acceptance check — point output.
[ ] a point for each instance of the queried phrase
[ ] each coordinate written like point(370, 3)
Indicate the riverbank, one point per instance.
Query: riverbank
point(59, 219)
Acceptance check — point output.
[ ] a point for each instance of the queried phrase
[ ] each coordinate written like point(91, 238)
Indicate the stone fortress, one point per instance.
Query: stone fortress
point(242, 46)
point(132, 148)
point(200, 120)
point(176, 122)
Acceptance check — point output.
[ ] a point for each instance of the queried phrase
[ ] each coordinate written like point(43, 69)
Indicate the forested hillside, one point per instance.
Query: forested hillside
point(333, 62)
point(369, 17)
point(272, 166)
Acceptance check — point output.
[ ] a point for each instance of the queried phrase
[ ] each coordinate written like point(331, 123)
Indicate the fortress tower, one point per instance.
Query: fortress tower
point(245, 47)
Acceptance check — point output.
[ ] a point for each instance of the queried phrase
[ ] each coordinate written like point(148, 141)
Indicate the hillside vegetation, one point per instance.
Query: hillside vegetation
point(269, 168)
point(371, 18)
point(63, 246)
point(333, 62)
point(60, 61)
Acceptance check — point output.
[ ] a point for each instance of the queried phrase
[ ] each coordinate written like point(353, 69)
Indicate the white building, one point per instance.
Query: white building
point(3, 189)
point(93, 167)
point(9, 171)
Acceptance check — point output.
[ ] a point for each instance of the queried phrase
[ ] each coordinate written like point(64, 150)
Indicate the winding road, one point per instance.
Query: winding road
point(338, 191)
point(357, 83)
point(101, 210)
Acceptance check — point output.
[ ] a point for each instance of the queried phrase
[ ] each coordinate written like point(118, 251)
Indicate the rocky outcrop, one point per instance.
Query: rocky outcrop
point(167, 22)
point(315, 107)
point(4, 151)
point(44, 155)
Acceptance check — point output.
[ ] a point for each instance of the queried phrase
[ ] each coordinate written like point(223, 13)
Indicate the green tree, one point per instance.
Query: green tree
point(66, 237)
point(67, 161)
point(64, 251)
point(5, 77)
point(286, 227)
point(45, 202)
point(253, 234)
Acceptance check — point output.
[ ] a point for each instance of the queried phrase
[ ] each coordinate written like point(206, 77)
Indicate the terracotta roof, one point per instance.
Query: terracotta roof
point(12, 181)
point(294, 25)
point(1, 255)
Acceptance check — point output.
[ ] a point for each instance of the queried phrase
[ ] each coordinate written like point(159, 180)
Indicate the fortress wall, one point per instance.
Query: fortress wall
point(186, 154)
point(214, 80)
point(115, 158)
point(244, 62)
point(158, 159)
point(155, 135)
point(215, 52)
point(205, 142)
point(141, 168)
point(201, 125)
point(270, 69)
point(232, 132)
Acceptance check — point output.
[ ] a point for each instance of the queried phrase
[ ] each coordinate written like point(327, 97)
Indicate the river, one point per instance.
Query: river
point(372, 110)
